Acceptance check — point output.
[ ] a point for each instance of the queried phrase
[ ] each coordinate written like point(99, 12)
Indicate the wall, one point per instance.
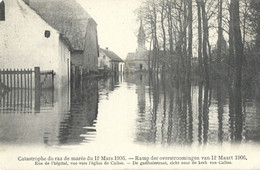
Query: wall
point(141, 57)
point(134, 65)
point(133, 61)
point(90, 60)
point(103, 60)
point(23, 43)
point(121, 67)
point(64, 64)
point(129, 65)
point(144, 65)
point(22, 40)
point(77, 58)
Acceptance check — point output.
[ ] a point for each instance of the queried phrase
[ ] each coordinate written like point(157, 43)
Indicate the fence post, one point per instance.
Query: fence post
point(7, 78)
point(3, 77)
point(37, 77)
point(52, 79)
point(11, 78)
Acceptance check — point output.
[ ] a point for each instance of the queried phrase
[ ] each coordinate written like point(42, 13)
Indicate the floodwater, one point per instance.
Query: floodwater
point(127, 109)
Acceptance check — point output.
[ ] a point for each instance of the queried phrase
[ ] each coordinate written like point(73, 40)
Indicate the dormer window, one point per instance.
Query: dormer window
point(2, 10)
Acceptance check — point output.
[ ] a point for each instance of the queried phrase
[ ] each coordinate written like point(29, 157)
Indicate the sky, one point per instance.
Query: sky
point(117, 23)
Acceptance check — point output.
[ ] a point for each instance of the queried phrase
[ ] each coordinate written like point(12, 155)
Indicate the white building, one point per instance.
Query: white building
point(110, 61)
point(28, 41)
point(104, 62)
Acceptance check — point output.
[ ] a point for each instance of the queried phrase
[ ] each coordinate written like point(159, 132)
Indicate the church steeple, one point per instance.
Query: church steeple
point(141, 36)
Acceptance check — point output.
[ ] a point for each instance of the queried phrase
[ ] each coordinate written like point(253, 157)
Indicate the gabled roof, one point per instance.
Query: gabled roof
point(66, 16)
point(111, 55)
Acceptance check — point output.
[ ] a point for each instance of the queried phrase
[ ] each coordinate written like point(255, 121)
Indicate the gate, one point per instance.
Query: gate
point(24, 79)
point(18, 87)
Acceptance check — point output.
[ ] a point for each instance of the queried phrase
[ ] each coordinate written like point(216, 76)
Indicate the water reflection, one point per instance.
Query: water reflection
point(156, 111)
point(168, 115)
point(78, 124)
point(61, 116)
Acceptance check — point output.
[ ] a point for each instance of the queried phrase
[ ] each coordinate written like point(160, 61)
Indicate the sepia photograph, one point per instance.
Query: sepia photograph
point(129, 84)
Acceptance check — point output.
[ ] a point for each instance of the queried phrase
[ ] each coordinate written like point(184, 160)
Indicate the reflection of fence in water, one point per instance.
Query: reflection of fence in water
point(20, 89)
point(16, 100)
point(23, 100)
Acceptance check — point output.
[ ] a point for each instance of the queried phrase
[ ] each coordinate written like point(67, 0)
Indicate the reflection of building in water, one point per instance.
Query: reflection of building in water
point(78, 125)
point(108, 84)
point(62, 118)
point(21, 124)
point(141, 80)
point(144, 121)
point(141, 93)
point(60, 108)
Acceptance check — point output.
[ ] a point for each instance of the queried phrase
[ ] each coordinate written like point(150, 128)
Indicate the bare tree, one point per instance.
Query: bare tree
point(199, 36)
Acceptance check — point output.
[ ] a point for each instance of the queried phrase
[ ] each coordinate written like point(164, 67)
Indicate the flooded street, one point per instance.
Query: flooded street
point(133, 84)
point(128, 109)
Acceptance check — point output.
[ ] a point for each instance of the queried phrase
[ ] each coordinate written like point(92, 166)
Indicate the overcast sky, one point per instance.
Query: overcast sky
point(117, 23)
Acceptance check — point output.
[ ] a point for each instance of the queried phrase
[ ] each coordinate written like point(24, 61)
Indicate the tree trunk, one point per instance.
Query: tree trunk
point(220, 33)
point(164, 37)
point(238, 68)
point(190, 38)
point(199, 37)
point(185, 36)
point(205, 39)
point(170, 27)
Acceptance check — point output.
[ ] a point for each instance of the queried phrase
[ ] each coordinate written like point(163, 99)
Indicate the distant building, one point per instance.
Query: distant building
point(68, 17)
point(27, 40)
point(104, 62)
point(138, 61)
point(224, 50)
point(109, 61)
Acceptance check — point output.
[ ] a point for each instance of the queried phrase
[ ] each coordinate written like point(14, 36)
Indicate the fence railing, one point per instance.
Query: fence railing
point(47, 79)
point(24, 79)
point(23, 87)
point(16, 78)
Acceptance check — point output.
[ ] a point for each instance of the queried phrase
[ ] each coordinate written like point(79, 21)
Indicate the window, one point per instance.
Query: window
point(47, 33)
point(2, 10)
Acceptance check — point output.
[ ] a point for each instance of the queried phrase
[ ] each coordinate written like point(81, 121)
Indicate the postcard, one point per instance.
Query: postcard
point(129, 84)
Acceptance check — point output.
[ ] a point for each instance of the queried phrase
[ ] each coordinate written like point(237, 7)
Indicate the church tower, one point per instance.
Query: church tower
point(141, 36)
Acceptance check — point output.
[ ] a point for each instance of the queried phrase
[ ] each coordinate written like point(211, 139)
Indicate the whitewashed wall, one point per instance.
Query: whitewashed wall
point(23, 43)
point(121, 67)
point(64, 63)
point(103, 61)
